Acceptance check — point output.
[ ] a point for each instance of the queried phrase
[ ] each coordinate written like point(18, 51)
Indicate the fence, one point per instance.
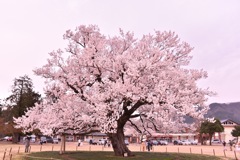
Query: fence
point(8, 152)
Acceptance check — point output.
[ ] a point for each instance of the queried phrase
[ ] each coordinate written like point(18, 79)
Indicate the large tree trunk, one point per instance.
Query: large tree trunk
point(63, 144)
point(210, 139)
point(118, 144)
point(201, 139)
point(15, 137)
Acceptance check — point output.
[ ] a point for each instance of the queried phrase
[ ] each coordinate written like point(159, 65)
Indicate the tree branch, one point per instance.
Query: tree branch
point(135, 126)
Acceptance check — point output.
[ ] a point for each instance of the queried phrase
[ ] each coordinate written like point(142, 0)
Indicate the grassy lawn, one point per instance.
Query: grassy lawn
point(82, 155)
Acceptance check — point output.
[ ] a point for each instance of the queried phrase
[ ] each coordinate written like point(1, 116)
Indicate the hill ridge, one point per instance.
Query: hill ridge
point(224, 111)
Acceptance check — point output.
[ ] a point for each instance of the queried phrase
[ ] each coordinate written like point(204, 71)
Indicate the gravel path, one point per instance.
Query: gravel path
point(217, 150)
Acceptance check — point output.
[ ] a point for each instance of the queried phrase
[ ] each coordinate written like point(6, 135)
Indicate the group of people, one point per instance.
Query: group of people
point(146, 144)
point(106, 142)
point(231, 144)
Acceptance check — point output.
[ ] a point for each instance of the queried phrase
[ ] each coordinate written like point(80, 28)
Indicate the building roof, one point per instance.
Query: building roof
point(225, 120)
point(97, 134)
point(103, 134)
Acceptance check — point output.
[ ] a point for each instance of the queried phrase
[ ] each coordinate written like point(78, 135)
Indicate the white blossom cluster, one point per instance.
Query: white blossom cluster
point(211, 120)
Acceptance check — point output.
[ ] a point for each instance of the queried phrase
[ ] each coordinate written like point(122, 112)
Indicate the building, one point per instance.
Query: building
point(174, 136)
point(228, 127)
point(96, 136)
point(170, 137)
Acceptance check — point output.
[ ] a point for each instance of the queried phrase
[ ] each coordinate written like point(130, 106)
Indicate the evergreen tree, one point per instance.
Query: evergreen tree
point(210, 127)
point(23, 97)
point(236, 132)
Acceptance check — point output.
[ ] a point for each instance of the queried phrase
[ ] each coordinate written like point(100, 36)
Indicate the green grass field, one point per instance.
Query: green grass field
point(82, 155)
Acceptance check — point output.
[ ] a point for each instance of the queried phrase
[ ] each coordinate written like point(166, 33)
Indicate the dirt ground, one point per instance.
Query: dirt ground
point(7, 149)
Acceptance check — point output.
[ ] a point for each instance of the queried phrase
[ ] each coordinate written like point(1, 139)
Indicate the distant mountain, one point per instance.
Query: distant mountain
point(224, 111)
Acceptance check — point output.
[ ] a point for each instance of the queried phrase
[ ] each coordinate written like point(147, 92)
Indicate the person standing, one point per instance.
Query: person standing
point(79, 142)
point(230, 144)
point(90, 141)
point(148, 145)
point(109, 143)
point(105, 143)
point(151, 144)
point(143, 145)
point(237, 147)
point(27, 144)
point(224, 146)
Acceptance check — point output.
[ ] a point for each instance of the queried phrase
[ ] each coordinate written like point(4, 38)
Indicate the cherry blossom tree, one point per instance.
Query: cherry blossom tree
point(111, 83)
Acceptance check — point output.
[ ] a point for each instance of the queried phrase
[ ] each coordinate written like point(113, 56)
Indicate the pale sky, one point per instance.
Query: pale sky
point(30, 29)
